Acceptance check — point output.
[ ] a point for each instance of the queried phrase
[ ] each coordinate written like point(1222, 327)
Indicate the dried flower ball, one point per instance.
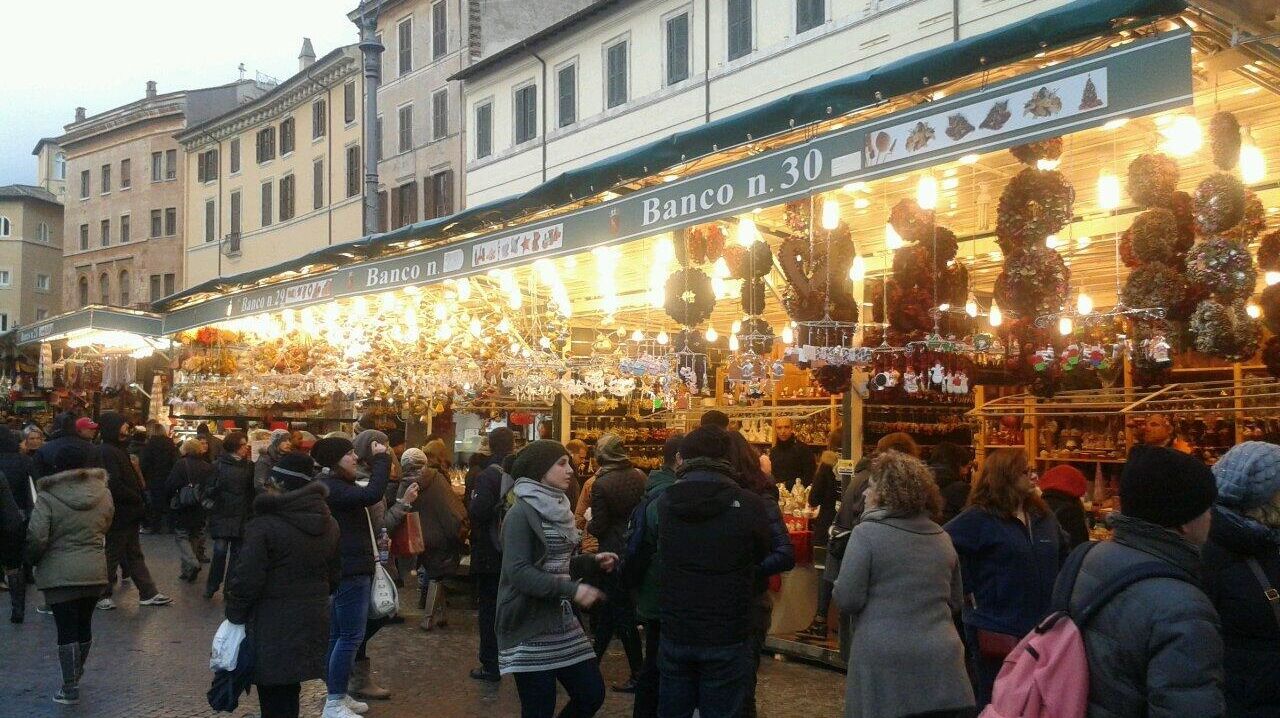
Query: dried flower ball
point(753, 296)
point(911, 265)
point(1154, 236)
point(1224, 140)
point(1254, 221)
point(1269, 252)
point(1154, 286)
point(1183, 208)
point(1034, 281)
point(834, 379)
point(1032, 152)
point(1224, 330)
point(1034, 205)
point(1219, 203)
point(953, 285)
point(943, 247)
point(1223, 266)
point(1153, 178)
point(911, 221)
point(1269, 302)
point(1271, 356)
point(688, 297)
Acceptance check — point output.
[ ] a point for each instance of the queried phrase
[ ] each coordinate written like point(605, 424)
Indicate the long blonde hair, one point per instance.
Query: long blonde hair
point(1267, 514)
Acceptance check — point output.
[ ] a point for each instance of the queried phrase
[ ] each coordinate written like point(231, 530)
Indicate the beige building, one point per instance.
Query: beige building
point(51, 167)
point(30, 255)
point(276, 177)
point(125, 178)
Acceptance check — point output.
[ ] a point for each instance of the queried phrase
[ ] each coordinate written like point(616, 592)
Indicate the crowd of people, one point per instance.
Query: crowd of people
point(936, 574)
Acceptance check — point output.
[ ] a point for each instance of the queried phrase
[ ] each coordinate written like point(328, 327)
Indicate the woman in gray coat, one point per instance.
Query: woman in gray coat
point(900, 581)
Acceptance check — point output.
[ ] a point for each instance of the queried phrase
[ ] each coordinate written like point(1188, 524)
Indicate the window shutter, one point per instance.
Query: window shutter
point(429, 197)
point(446, 193)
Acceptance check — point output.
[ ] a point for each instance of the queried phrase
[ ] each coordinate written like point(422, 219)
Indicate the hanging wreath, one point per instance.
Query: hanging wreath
point(1152, 286)
point(752, 262)
point(834, 379)
point(1034, 281)
point(1269, 302)
point(904, 309)
point(1271, 356)
point(1269, 252)
point(1224, 140)
point(1224, 331)
point(911, 221)
point(1254, 221)
point(688, 297)
point(714, 242)
point(1154, 236)
point(1034, 205)
point(753, 293)
point(1153, 178)
point(1032, 152)
point(757, 335)
point(1219, 203)
point(1223, 267)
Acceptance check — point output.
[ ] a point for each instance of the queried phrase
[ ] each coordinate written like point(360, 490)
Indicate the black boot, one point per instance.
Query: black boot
point(817, 631)
point(17, 596)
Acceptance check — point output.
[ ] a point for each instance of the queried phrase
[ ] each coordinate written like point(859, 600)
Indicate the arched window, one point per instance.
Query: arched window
point(42, 232)
point(60, 166)
point(83, 287)
point(5, 226)
point(104, 289)
point(124, 287)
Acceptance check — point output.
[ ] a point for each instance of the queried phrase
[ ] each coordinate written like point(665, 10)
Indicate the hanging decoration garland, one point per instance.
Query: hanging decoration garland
point(1224, 140)
point(1153, 178)
point(1223, 266)
point(688, 297)
point(1219, 203)
point(1224, 330)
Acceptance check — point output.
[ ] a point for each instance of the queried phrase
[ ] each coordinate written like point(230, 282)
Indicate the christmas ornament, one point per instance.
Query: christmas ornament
point(1219, 203)
point(1152, 179)
point(688, 297)
point(1224, 330)
point(1154, 236)
point(1224, 140)
point(1154, 285)
point(1223, 267)
point(1034, 205)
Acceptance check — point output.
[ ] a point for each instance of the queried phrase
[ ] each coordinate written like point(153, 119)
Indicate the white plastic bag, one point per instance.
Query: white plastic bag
point(226, 647)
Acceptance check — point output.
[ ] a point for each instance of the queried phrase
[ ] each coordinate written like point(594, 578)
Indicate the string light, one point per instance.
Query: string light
point(1182, 136)
point(1254, 311)
point(1065, 326)
point(662, 338)
point(995, 317)
point(733, 343)
point(1108, 191)
point(637, 336)
point(927, 192)
point(830, 214)
point(788, 335)
point(1253, 165)
point(712, 334)
point(1084, 304)
point(858, 270)
point(971, 305)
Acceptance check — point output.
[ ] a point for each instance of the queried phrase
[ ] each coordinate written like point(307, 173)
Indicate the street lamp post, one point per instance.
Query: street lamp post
point(371, 51)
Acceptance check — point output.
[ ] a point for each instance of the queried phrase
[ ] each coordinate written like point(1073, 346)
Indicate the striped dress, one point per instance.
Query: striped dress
point(566, 646)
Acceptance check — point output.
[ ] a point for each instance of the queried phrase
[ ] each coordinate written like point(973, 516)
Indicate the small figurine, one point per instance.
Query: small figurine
point(962, 382)
point(1158, 351)
point(911, 381)
point(937, 376)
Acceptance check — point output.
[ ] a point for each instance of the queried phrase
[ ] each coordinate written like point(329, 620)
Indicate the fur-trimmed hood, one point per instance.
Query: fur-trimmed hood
point(80, 489)
point(304, 508)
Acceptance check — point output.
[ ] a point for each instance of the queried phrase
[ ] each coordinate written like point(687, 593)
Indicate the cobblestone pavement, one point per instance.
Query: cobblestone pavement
point(153, 663)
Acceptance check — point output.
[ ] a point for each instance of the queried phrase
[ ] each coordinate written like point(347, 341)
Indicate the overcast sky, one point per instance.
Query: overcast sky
point(57, 55)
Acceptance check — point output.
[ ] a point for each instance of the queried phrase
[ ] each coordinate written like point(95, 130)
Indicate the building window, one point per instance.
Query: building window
point(319, 118)
point(349, 102)
point(405, 117)
point(106, 178)
point(286, 197)
point(207, 166)
point(677, 48)
point(210, 220)
point(156, 291)
point(406, 201)
point(266, 143)
point(125, 229)
point(4, 322)
point(382, 57)
point(60, 166)
point(169, 285)
point(353, 170)
point(157, 166)
point(104, 289)
point(377, 139)
point(566, 95)
point(124, 287)
point(105, 234)
point(43, 282)
point(170, 221)
point(810, 14)
point(157, 223)
point(404, 46)
point(616, 74)
point(6, 227)
point(84, 237)
point(266, 204)
point(286, 136)
point(317, 184)
point(235, 212)
point(439, 31)
point(5, 278)
point(484, 130)
point(439, 194)
point(126, 174)
point(84, 184)
point(82, 290)
point(170, 164)
point(42, 230)
point(41, 314)
point(526, 107)
point(739, 28)
point(234, 160)
point(439, 114)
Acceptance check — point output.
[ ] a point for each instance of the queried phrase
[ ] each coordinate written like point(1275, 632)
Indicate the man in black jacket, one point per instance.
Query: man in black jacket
point(123, 547)
point(484, 509)
point(712, 536)
point(791, 458)
point(68, 429)
point(17, 469)
point(232, 494)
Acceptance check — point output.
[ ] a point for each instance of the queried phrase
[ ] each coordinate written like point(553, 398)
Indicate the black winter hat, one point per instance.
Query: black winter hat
point(501, 441)
point(1165, 487)
point(293, 470)
point(707, 440)
point(71, 456)
point(329, 451)
point(536, 459)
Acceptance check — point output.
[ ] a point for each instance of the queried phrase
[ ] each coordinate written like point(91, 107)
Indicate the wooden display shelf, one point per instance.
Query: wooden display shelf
point(1079, 461)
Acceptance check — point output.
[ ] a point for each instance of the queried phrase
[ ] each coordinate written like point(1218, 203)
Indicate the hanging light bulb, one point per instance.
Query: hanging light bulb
point(464, 289)
point(1272, 278)
point(971, 305)
point(1046, 165)
point(637, 336)
point(515, 347)
point(662, 338)
point(788, 335)
point(1253, 165)
point(995, 317)
point(1253, 310)
point(733, 343)
point(830, 214)
point(474, 327)
point(444, 332)
point(1052, 241)
point(1082, 242)
point(858, 270)
point(1108, 191)
point(1182, 137)
point(720, 270)
point(747, 232)
point(504, 326)
point(1065, 326)
point(892, 240)
point(544, 342)
point(944, 307)
point(1084, 304)
point(711, 334)
point(927, 192)
point(440, 311)
point(737, 326)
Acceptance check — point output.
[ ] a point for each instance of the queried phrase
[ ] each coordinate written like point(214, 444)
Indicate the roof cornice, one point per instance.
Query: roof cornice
point(141, 111)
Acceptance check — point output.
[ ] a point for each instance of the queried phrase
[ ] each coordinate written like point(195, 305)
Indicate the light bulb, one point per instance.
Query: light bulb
point(504, 326)
point(544, 342)
point(927, 192)
point(858, 270)
point(712, 334)
point(387, 302)
point(664, 250)
point(1052, 241)
point(733, 343)
point(444, 332)
point(440, 311)
point(637, 336)
point(1272, 278)
point(995, 317)
point(1082, 242)
point(747, 232)
point(788, 335)
point(971, 305)
point(464, 289)
point(1253, 165)
point(720, 269)
point(1253, 310)
point(892, 240)
point(515, 347)
point(1084, 304)
point(474, 327)
point(968, 159)
point(1065, 326)
point(861, 203)
point(830, 214)
point(1182, 137)
point(1045, 165)
point(1108, 191)
point(662, 338)
point(944, 307)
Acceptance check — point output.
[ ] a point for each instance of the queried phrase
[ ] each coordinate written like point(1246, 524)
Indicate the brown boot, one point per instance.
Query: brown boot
point(361, 684)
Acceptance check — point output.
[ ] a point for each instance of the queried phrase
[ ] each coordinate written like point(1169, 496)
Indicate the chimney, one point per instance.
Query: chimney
point(307, 57)
point(151, 88)
point(79, 114)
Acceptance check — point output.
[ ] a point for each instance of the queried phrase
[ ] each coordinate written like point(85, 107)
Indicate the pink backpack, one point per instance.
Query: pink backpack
point(1047, 673)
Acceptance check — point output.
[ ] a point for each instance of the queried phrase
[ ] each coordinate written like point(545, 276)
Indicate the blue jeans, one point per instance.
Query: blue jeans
point(712, 679)
point(348, 611)
point(581, 681)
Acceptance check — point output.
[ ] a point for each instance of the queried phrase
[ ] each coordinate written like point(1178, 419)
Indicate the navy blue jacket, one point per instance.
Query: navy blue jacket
point(349, 503)
point(482, 508)
point(1008, 570)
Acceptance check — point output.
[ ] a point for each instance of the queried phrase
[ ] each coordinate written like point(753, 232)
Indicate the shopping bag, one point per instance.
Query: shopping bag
point(226, 647)
point(407, 540)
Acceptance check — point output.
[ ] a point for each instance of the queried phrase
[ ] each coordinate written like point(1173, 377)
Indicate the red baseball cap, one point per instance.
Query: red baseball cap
point(85, 422)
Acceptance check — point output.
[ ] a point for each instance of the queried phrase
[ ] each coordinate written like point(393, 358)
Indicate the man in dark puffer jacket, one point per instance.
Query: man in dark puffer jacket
point(123, 548)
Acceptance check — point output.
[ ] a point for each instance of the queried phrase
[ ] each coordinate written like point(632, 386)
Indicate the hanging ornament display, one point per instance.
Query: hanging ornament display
point(834, 379)
point(1033, 152)
point(1154, 285)
point(688, 297)
point(753, 296)
point(817, 277)
point(699, 245)
point(1034, 281)
point(1154, 236)
point(756, 335)
point(1219, 203)
point(1253, 223)
point(1223, 267)
point(1153, 178)
point(1224, 140)
point(752, 262)
point(1224, 330)
point(1269, 252)
point(911, 221)
point(1034, 205)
